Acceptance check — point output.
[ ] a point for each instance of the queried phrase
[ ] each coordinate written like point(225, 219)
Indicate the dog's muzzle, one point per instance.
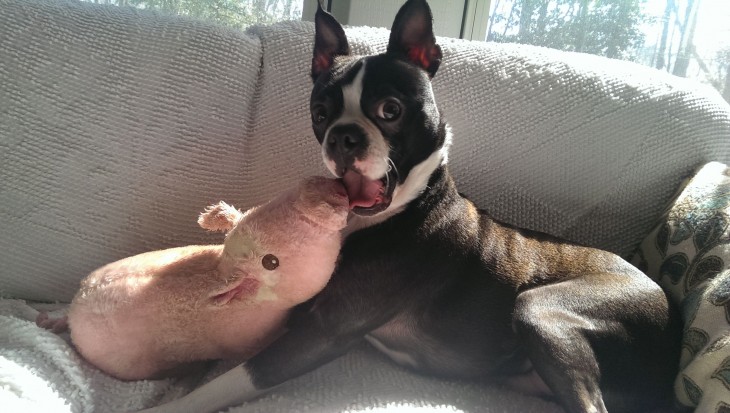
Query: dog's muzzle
point(345, 144)
point(368, 196)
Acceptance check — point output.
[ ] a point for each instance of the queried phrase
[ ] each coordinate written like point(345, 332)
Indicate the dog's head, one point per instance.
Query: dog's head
point(375, 116)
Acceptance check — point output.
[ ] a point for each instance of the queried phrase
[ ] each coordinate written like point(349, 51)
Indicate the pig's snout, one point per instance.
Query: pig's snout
point(336, 194)
point(339, 188)
point(324, 201)
point(320, 189)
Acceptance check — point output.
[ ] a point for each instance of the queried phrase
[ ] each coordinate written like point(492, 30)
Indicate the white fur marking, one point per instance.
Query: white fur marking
point(414, 184)
point(351, 95)
point(229, 389)
point(448, 140)
point(374, 165)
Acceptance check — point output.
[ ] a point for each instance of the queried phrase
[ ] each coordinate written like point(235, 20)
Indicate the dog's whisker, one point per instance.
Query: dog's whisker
point(391, 167)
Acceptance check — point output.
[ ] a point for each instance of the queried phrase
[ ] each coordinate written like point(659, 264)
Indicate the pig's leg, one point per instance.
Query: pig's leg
point(56, 325)
point(219, 217)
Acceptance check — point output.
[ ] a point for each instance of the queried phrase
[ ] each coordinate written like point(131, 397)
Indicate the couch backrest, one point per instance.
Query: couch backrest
point(580, 146)
point(118, 126)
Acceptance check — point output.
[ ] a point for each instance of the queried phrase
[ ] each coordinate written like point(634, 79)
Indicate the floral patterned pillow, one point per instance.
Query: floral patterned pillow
point(688, 254)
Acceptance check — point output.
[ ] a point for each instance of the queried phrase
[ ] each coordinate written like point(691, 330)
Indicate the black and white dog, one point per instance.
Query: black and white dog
point(437, 284)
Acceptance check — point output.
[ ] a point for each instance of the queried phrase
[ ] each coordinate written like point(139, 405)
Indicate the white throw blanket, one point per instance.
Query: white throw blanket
point(41, 373)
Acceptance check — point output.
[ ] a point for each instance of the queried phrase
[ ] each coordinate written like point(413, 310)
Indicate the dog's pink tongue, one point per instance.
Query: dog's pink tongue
point(362, 191)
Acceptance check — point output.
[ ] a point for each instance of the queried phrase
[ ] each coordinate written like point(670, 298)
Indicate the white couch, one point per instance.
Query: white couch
point(117, 126)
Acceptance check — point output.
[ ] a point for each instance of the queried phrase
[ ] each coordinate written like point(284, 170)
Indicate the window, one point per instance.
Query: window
point(688, 38)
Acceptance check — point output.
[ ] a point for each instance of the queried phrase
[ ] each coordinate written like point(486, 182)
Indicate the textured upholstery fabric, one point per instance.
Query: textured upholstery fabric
point(118, 126)
point(579, 146)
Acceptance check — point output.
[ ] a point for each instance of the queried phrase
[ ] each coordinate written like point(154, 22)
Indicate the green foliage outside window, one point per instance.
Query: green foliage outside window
point(603, 27)
point(660, 33)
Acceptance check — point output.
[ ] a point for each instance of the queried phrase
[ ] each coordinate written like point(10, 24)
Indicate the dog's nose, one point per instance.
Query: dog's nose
point(346, 141)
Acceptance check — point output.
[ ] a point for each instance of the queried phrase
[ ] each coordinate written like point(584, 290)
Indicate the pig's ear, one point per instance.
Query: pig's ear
point(329, 41)
point(411, 36)
point(219, 217)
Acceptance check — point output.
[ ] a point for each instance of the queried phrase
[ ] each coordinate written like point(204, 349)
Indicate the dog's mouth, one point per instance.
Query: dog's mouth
point(368, 196)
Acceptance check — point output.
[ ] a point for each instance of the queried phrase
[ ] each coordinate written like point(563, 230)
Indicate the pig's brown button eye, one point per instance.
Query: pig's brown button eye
point(270, 262)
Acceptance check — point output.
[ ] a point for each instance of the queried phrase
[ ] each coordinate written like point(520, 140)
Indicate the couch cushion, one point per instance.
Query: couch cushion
point(117, 127)
point(688, 254)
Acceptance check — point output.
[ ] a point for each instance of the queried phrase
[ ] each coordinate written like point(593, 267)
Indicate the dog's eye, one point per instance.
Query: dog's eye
point(388, 110)
point(319, 114)
point(270, 262)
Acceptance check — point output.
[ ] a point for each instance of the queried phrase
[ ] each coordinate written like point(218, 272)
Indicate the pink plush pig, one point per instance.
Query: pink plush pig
point(148, 315)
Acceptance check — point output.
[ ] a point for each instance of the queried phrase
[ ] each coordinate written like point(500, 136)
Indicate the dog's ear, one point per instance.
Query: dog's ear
point(329, 41)
point(412, 36)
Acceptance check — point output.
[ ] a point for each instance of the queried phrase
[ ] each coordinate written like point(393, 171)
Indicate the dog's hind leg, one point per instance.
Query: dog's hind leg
point(595, 337)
